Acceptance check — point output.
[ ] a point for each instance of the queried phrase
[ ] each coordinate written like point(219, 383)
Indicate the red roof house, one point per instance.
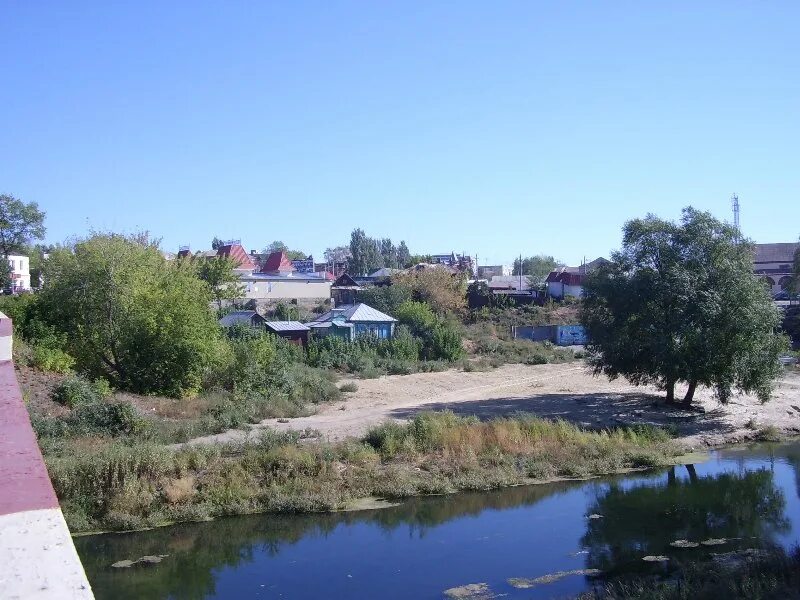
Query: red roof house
point(238, 254)
point(277, 263)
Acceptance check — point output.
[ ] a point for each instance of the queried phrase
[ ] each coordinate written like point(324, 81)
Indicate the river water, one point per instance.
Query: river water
point(748, 497)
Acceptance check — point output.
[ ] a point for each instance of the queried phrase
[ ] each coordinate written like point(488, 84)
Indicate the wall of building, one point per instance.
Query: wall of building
point(777, 275)
point(20, 272)
point(37, 557)
point(260, 289)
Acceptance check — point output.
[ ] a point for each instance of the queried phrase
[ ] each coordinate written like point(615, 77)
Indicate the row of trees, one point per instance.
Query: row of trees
point(370, 254)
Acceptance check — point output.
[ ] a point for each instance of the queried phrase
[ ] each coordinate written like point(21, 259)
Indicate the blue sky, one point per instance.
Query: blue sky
point(497, 128)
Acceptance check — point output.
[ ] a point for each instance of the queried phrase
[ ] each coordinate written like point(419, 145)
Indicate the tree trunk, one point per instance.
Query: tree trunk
point(671, 476)
point(687, 399)
point(692, 473)
point(670, 392)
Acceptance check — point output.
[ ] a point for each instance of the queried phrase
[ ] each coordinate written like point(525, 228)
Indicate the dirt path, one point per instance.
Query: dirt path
point(566, 391)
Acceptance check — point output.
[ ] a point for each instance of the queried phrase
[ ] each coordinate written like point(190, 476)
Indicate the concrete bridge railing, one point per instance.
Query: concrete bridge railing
point(37, 557)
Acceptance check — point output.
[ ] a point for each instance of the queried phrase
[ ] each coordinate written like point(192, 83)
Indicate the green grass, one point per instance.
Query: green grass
point(126, 483)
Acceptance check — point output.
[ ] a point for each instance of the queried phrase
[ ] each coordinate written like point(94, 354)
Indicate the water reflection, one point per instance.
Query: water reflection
point(197, 550)
point(536, 530)
point(640, 520)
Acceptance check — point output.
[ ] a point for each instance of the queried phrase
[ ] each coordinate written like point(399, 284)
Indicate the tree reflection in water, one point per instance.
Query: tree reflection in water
point(643, 520)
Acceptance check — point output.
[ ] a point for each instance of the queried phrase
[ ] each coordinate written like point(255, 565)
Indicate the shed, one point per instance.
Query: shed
point(242, 317)
point(293, 331)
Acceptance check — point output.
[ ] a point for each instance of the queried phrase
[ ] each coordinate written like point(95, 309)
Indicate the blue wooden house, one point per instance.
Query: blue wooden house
point(354, 320)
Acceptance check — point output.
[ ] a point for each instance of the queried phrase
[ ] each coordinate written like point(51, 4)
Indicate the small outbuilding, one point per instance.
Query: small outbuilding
point(293, 331)
point(249, 318)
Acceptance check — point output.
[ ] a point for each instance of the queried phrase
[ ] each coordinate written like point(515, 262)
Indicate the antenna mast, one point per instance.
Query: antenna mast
point(735, 205)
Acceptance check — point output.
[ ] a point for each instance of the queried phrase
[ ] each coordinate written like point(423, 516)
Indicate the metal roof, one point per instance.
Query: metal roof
point(775, 253)
point(357, 313)
point(238, 316)
point(286, 326)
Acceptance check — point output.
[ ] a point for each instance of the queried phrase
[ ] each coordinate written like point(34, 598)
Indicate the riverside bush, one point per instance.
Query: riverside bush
point(122, 484)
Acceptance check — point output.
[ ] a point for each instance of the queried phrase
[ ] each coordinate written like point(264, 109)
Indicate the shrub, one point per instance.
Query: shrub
point(113, 419)
point(77, 391)
point(349, 387)
point(52, 359)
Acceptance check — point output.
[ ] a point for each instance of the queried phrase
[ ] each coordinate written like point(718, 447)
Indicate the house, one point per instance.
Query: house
point(461, 262)
point(249, 318)
point(278, 280)
point(344, 290)
point(353, 320)
point(293, 331)
point(19, 273)
point(233, 249)
point(775, 263)
point(567, 282)
point(489, 271)
point(509, 283)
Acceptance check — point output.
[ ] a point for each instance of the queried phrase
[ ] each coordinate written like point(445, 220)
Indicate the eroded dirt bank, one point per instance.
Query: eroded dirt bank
point(567, 391)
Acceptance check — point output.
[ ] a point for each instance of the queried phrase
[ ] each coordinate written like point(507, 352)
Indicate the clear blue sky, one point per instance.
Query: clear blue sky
point(491, 127)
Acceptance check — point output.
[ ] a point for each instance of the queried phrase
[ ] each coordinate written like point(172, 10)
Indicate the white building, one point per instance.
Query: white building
point(20, 272)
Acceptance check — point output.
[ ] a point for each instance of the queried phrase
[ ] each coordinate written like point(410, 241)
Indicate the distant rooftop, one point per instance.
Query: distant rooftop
point(286, 326)
point(238, 316)
point(775, 253)
point(356, 313)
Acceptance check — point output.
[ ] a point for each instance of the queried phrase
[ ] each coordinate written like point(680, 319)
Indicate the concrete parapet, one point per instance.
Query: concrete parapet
point(37, 557)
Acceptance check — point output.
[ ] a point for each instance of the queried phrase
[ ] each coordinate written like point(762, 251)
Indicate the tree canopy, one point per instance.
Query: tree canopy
point(218, 274)
point(368, 254)
point(279, 246)
point(679, 303)
point(20, 224)
point(130, 315)
point(537, 268)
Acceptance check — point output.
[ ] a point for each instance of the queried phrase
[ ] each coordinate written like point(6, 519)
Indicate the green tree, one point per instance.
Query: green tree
point(365, 253)
point(389, 253)
point(795, 285)
point(217, 243)
point(218, 274)
point(279, 246)
point(403, 256)
point(537, 268)
point(20, 224)
point(131, 316)
point(679, 303)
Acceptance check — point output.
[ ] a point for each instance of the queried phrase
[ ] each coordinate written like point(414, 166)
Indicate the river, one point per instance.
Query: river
point(745, 497)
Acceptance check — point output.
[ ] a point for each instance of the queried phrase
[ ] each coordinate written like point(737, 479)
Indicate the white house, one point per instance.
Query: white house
point(20, 272)
point(567, 282)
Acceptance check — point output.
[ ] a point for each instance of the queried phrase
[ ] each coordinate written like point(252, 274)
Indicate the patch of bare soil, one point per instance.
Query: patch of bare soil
point(37, 387)
point(557, 391)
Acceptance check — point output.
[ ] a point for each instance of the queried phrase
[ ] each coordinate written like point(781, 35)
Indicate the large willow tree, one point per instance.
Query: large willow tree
point(679, 303)
point(131, 316)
